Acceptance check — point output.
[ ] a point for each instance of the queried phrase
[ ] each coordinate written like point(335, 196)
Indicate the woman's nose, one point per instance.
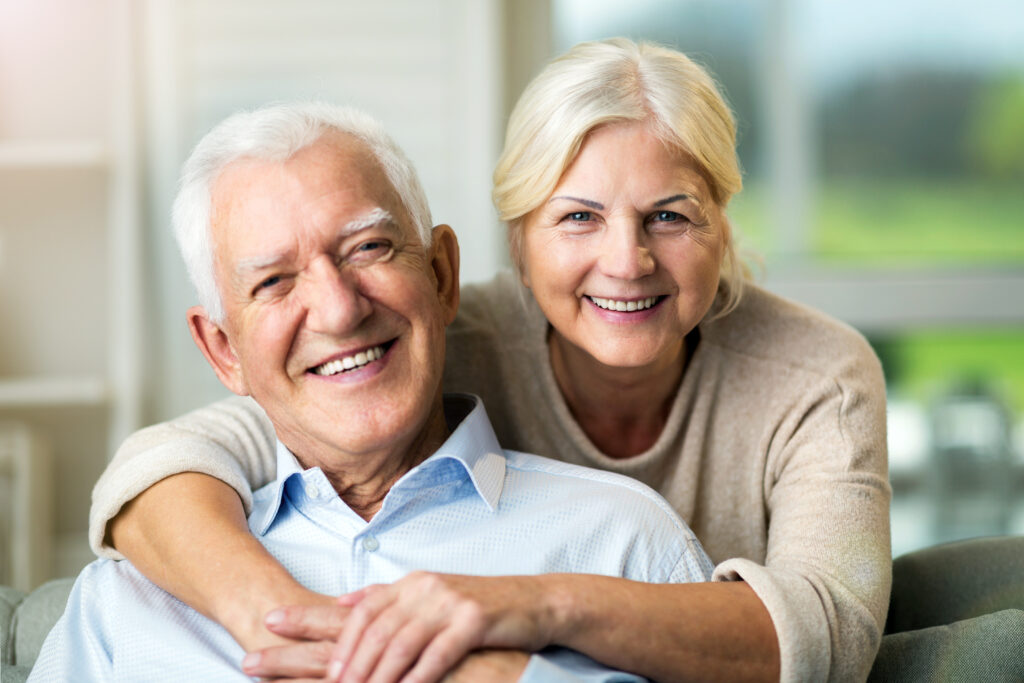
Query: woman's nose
point(624, 253)
point(334, 303)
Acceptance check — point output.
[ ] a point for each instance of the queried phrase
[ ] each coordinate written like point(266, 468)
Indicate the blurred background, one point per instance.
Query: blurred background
point(882, 143)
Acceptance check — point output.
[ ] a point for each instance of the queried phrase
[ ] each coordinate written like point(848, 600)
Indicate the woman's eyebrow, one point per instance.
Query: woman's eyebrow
point(589, 203)
point(675, 198)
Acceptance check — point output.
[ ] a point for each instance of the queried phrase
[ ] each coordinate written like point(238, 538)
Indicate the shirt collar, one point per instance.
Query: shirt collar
point(472, 444)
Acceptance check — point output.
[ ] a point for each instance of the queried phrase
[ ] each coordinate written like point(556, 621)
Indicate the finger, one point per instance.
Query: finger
point(359, 619)
point(352, 599)
point(307, 622)
point(402, 651)
point(289, 661)
point(375, 640)
point(446, 650)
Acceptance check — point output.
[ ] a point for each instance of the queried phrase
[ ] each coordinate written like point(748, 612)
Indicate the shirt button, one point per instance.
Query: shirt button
point(370, 543)
point(312, 491)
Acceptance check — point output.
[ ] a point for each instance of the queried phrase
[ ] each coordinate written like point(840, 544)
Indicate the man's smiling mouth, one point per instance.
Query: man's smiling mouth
point(353, 362)
point(619, 305)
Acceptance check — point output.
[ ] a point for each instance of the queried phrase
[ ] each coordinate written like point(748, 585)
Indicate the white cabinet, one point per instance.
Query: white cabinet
point(69, 267)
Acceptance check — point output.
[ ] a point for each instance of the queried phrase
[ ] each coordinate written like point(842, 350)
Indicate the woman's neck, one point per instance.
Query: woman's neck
point(621, 410)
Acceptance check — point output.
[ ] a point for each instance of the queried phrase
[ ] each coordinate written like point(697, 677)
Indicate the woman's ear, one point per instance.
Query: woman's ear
point(213, 342)
point(444, 262)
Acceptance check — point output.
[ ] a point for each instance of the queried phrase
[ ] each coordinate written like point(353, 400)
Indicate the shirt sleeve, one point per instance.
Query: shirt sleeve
point(693, 565)
point(828, 566)
point(75, 649)
point(231, 440)
point(561, 665)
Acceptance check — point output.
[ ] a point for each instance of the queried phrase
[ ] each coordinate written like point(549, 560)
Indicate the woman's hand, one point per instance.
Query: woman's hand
point(417, 629)
point(313, 631)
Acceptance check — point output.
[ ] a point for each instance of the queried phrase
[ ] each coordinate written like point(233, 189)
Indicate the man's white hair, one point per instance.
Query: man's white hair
point(275, 133)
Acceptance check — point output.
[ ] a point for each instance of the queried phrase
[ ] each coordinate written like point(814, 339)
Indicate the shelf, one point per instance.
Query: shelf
point(20, 154)
point(52, 391)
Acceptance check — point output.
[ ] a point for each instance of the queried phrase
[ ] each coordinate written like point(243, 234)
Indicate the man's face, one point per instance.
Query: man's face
point(334, 312)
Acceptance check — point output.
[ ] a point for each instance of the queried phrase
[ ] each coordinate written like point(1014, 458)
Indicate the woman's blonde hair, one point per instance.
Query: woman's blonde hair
point(609, 81)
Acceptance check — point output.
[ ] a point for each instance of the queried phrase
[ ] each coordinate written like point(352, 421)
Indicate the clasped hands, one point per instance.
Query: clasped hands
point(419, 629)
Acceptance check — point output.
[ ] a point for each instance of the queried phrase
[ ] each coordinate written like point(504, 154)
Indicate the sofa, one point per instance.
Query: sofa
point(24, 622)
point(957, 614)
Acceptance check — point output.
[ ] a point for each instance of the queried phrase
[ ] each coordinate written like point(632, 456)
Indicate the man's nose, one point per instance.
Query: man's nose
point(332, 298)
point(624, 251)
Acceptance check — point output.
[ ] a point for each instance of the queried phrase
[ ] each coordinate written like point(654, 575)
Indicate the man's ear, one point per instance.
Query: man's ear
point(444, 262)
point(214, 344)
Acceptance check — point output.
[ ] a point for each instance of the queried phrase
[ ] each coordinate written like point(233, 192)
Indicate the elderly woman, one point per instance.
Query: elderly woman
point(626, 340)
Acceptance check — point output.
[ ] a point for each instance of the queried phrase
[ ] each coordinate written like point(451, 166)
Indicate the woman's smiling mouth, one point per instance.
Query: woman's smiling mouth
point(624, 306)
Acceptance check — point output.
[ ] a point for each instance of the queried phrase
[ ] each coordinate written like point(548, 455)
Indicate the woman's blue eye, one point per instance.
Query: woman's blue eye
point(667, 216)
point(579, 216)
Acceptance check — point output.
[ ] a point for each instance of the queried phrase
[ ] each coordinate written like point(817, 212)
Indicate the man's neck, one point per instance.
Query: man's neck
point(363, 480)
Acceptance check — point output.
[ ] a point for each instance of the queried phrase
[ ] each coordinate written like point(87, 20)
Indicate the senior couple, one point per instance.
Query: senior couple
point(626, 340)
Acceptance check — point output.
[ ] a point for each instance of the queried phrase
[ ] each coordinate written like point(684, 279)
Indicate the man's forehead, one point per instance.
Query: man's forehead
point(337, 165)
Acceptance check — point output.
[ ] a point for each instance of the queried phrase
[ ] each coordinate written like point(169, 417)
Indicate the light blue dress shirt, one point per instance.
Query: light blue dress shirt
point(470, 508)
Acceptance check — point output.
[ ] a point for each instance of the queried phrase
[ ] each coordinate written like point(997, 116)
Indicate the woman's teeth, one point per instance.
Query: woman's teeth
point(350, 362)
point(613, 305)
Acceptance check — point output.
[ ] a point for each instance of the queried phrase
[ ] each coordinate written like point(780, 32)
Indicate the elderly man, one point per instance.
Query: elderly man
point(325, 296)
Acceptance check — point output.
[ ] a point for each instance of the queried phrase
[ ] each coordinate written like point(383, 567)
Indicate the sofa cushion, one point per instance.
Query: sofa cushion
point(985, 648)
point(24, 622)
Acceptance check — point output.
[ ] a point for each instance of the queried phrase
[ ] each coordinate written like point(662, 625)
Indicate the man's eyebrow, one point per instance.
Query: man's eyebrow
point(251, 265)
point(589, 203)
point(370, 219)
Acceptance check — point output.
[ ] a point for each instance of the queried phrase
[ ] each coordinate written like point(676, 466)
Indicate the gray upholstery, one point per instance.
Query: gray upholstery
point(26, 619)
point(956, 614)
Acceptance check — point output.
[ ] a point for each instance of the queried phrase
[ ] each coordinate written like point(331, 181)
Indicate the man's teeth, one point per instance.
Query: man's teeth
point(613, 305)
point(350, 362)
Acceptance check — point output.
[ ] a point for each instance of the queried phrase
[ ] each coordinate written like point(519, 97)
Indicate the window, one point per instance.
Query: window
point(883, 148)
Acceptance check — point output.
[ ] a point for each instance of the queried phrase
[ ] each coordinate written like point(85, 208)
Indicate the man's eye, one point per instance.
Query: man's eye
point(371, 251)
point(269, 282)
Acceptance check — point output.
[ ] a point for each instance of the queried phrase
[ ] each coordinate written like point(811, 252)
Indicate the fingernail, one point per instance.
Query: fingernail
point(275, 617)
point(334, 671)
point(251, 660)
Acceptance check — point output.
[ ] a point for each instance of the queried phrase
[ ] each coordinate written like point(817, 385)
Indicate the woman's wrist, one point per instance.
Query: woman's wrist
point(244, 616)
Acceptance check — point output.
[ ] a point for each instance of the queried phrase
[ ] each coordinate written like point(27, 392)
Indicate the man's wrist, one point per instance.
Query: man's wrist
point(494, 666)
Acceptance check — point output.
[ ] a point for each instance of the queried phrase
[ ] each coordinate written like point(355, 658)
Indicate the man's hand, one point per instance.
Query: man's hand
point(417, 629)
point(315, 628)
point(492, 666)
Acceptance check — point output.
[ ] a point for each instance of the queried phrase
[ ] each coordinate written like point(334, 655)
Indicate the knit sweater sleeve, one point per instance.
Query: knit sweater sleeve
point(827, 571)
point(231, 440)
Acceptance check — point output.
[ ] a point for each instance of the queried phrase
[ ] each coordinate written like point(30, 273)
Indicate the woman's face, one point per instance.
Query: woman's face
point(624, 256)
